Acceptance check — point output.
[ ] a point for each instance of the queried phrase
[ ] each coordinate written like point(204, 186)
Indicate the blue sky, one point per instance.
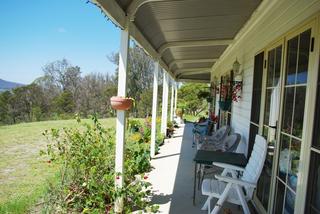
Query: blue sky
point(36, 32)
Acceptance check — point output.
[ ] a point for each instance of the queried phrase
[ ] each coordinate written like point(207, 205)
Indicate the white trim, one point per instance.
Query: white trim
point(192, 71)
point(187, 61)
point(136, 4)
point(154, 109)
point(193, 80)
point(197, 43)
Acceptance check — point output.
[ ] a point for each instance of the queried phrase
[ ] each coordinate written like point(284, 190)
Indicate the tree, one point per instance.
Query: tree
point(96, 91)
point(24, 102)
point(4, 107)
point(140, 78)
point(64, 103)
point(188, 98)
point(65, 77)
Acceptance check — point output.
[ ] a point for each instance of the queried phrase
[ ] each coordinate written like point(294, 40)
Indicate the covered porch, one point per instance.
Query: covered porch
point(261, 57)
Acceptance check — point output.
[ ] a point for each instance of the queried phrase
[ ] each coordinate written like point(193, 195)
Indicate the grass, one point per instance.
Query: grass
point(24, 174)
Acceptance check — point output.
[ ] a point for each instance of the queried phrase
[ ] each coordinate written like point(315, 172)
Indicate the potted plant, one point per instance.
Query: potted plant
point(170, 129)
point(121, 103)
point(205, 95)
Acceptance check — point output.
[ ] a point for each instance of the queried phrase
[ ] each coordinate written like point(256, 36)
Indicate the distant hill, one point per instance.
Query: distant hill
point(7, 85)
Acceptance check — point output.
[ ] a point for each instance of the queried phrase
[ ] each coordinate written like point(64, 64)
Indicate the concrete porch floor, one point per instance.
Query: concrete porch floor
point(173, 176)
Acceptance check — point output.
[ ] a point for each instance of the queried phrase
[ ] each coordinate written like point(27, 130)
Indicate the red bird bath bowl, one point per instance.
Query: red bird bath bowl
point(121, 103)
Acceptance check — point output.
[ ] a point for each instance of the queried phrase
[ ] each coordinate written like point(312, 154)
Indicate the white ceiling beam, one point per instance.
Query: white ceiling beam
point(199, 43)
point(135, 5)
point(188, 61)
point(196, 72)
point(191, 70)
point(193, 80)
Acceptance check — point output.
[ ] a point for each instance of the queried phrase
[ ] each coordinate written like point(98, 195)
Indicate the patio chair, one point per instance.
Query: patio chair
point(227, 144)
point(236, 190)
point(230, 144)
point(200, 130)
point(216, 138)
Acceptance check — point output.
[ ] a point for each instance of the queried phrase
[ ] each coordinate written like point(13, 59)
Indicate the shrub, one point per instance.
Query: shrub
point(86, 180)
point(134, 125)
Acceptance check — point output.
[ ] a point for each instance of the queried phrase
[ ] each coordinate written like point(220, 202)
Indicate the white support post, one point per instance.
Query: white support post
point(165, 91)
point(121, 117)
point(154, 109)
point(172, 100)
point(175, 97)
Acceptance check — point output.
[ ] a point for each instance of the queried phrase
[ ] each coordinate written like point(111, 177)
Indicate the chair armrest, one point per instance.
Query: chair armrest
point(235, 181)
point(228, 166)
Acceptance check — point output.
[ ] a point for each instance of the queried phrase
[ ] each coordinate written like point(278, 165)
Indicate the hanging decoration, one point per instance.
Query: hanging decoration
point(236, 91)
point(237, 82)
point(102, 12)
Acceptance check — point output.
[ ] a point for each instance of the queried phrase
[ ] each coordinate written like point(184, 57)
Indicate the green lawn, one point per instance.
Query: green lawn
point(23, 173)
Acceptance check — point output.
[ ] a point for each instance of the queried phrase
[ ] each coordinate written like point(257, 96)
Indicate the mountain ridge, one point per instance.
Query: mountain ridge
point(8, 85)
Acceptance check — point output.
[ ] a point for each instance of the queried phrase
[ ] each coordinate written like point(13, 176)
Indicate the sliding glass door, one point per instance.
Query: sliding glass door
point(272, 93)
point(282, 123)
point(291, 129)
point(313, 191)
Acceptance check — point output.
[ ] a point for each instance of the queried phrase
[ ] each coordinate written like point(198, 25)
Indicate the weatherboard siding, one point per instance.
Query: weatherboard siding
point(281, 18)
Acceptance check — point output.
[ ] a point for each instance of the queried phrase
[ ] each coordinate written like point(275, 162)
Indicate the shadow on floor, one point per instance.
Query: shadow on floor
point(183, 185)
point(182, 196)
point(165, 156)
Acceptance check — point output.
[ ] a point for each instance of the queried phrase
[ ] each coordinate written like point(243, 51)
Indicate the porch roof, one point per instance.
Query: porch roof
point(187, 36)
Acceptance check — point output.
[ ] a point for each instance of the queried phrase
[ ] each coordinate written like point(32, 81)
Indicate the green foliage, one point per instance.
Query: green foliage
point(87, 171)
point(30, 172)
point(64, 103)
point(188, 98)
point(134, 125)
point(170, 125)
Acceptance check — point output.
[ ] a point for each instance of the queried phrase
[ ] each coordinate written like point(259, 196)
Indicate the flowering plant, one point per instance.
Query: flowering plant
point(236, 92)
point(214, 118)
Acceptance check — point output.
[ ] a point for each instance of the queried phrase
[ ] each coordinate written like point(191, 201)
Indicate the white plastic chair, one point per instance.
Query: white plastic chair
point(233, 189)
point(230, 144)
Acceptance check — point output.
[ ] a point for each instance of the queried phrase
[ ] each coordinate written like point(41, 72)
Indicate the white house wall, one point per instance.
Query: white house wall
point(282, 17)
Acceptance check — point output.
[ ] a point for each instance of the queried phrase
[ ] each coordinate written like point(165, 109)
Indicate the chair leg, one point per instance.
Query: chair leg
point(209, 206)
point(242, 200)
point(222, 199)
point(206, 204)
